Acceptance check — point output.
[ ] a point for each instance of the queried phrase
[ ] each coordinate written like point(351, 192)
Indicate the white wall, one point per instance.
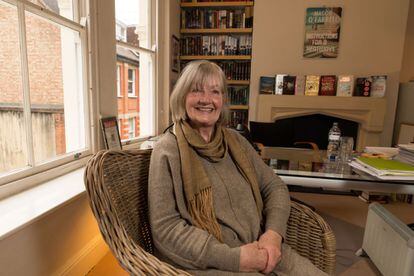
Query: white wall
point(371, 42)
point(65, 240)
point(170, 15)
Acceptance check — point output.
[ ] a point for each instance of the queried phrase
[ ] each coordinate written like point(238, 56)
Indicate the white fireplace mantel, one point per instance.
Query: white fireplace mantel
point(368, 112)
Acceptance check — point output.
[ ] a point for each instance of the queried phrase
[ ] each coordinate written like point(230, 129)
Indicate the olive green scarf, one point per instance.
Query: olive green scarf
point(197, 185)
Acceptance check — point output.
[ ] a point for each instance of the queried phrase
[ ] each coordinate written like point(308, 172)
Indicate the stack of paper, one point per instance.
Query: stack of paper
point(384, 169)
point(380, 152)
point(406, 153)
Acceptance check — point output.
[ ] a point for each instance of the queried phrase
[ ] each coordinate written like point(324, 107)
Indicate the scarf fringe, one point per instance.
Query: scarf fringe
point(202, 212)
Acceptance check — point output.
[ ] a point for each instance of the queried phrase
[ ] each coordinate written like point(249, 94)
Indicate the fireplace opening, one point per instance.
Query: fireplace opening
point(309, 128)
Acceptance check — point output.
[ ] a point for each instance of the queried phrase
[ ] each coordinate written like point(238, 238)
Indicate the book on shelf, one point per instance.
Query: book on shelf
point(345, 86)
point(237, 117)
point(238, 70)
point(267, 85)
point(363, 87)
point(216, 45)
point(279, 84)
point(300, 85)
point(238, 95)
point(378, 86)
point(327, 86)
point(289, 84)
point(369, 197)
point(215, 18)
point(312, 85)
point(248, 21)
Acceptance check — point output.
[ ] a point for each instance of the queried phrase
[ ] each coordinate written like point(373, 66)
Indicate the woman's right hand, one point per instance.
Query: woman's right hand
point(252, 258)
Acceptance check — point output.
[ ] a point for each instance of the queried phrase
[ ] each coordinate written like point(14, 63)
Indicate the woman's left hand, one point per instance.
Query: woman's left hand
point(271, 241)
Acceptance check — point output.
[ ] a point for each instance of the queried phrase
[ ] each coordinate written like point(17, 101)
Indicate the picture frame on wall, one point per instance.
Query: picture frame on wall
point(406, 133)
point(110, 132)
point(322, 32)
point(175, 54)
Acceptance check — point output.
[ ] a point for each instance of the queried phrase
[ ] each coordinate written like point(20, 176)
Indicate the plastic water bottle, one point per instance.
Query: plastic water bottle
point(334, 140)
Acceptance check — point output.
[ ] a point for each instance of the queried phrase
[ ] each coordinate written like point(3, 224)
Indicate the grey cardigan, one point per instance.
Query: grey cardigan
point(183, 245)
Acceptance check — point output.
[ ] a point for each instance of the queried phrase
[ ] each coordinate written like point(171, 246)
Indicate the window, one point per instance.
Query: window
point(43, 104)
point(118, 81)
point(136, 44)
point(131, 128)
point(131, 83)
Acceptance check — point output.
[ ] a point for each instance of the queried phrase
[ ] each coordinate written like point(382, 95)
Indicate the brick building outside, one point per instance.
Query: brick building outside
point(44, 54)
point(128, 83)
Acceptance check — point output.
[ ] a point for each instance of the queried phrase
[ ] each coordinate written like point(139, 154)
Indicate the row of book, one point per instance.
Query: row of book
point(216, 45)
point(237, 117)
point(238, 95)
point(190, 1)
point(327, 85)
point(368, 197)
point(217, 19)
point(234, 70)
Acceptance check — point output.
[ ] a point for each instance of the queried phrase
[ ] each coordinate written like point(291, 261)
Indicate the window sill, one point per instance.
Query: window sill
point(22, 209)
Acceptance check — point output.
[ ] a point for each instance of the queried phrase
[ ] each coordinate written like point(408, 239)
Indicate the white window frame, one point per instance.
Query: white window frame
point(38, 169)
point(133, 82)
point(118, 81)
point(153, 9)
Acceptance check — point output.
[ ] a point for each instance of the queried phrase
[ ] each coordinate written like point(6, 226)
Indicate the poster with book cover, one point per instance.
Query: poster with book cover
point(327, 86)
point(267, 85)
point(279, 84)
point(289, 85)
point(345, 86)
point(322, 29)
point(363, 87)
point(300, 85)
point(111, 133)
point(312, 85)
point(378, 86)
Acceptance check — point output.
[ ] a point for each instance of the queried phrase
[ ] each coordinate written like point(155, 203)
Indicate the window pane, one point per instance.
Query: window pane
point(118, 80)
point(61, 7)
point(133, 22)
point(56, 91)
point(140, 85)
point(13, 151)
point(131, 128)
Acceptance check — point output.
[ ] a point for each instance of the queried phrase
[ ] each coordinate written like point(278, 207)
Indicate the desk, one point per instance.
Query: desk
point(309, 168)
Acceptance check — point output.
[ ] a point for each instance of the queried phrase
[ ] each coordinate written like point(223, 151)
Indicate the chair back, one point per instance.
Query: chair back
point(312, 237)
point(117, 186)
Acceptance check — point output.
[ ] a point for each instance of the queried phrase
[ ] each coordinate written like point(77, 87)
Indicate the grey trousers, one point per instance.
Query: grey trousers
point(291, 264)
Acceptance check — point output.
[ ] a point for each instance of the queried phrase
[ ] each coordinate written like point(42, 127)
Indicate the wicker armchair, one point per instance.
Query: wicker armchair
point(116, 182)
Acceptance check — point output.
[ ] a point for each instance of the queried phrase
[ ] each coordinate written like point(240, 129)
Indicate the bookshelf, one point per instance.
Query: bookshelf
point(218, 31)
point(221, 32)
point(215, 4)
point(220, 57)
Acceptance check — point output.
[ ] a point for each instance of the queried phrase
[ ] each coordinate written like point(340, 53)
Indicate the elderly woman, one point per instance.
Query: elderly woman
point(215, 207)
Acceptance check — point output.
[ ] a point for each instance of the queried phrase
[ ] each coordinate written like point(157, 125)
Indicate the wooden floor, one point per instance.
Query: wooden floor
point(346, 208)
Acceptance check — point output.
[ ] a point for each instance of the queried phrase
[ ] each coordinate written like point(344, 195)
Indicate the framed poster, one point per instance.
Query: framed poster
point(175, 53)
point(322, 29)
point(111, 133)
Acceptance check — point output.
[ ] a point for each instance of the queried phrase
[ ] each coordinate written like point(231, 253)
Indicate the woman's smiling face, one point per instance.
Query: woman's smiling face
point(204, 104)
